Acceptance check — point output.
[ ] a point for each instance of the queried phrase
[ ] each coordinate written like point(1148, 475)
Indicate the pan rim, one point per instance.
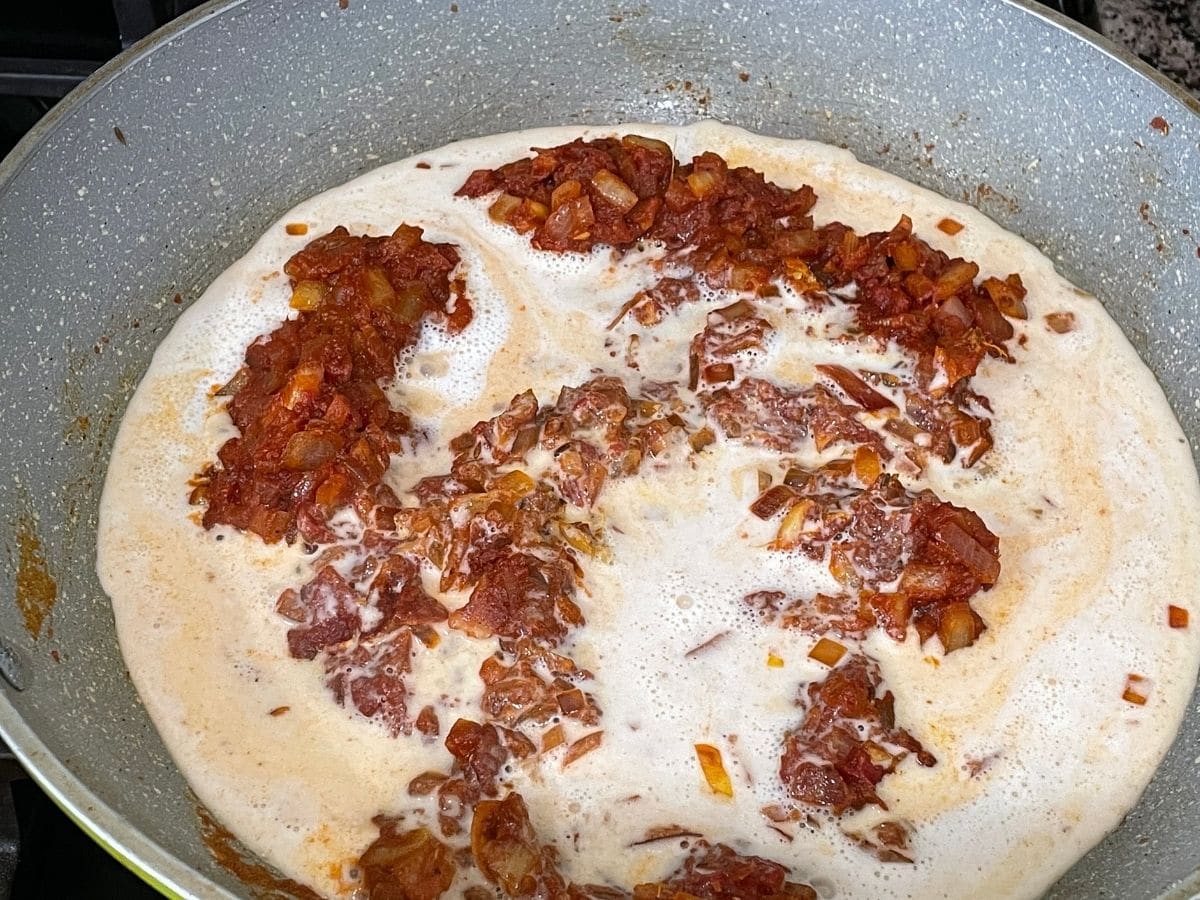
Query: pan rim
point(138, 851)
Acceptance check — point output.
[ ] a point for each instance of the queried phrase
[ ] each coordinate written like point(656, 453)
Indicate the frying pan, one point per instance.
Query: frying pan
point(120, 207)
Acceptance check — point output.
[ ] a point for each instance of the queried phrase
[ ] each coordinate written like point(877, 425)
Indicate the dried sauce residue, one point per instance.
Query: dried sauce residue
point(36, 588)
point(263, 883)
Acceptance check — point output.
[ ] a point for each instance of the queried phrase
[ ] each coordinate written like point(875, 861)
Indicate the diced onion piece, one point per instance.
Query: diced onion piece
point(957, 628)
point(841, 567)
point(585, 744)
point(956, 276)
point(568, 190)
point(827, 651)
point(240, 379)
point(1177, 616)
point(426, 783)
point(572, 702)
point(703, 183)
point(308, 450)
point(774, 661)
point(553, 738)
point(792, 527)
point(955, 308)
point(308, 295)
point(718, 373)
point(856, 389)
point(296, 228)
point(867, 466)
point(302, 386)
point(380, 292)
point(1008, 295)
point(702, 438)
point(796, 477)
point(409, 303)
point(772, 501)
point(1137, 690)
point(950, 226)
point(637, 140)
point(514, 482)
point(905, 256)
point(714, 770)
point(1060, 322)
point(571, 220)
point(738, 310)
point(614, 190)
point(764, 480)
point(502, 210)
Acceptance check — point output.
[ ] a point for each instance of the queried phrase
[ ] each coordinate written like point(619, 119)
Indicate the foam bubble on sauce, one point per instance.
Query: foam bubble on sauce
point(1089, 487)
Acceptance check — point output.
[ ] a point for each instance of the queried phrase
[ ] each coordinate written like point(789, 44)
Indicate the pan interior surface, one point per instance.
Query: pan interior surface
point(243, 109)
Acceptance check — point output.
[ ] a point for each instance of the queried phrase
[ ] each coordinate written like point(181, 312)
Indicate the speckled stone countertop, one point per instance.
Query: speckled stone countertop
point(1165, 33)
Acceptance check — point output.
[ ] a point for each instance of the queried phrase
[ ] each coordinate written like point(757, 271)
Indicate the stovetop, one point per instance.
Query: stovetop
point(48, 48)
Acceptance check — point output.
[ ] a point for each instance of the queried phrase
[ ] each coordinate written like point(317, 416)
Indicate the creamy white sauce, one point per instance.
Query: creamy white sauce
point(1090, 487)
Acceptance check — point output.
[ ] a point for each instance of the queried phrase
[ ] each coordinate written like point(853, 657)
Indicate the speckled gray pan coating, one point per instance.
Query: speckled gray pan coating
point(242, 109)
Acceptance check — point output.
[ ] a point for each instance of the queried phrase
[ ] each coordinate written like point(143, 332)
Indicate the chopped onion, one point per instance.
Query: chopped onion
point(957, 628)
point(1137, 690)
point(1177, 616)
point(703, 183)
point(718, 373)
point(957, 276)
point(296, 228)
point(380, 292)
point(867, 465)
point(792, 527)
point(738, 310)
point(956, 308)
point(714, 770)
point(553, 738)
point(502, 210)
point(614, 190)
point(774, 661)
point(307, 450)
point(1008, 295)
point(426, 783)
point(308, 295)
point(702, 438)
point(637, 140)
point(827, 652)
point(905, 256)
point(950, 226)
point(514, 482)
point(584, 745)
point(565, 192)
point(856, 389)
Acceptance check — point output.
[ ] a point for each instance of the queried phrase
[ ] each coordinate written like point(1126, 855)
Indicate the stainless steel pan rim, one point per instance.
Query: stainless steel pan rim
point(139, 852)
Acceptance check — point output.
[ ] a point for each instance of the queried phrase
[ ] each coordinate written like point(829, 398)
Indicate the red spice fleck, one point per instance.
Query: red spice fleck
point(1161, 125)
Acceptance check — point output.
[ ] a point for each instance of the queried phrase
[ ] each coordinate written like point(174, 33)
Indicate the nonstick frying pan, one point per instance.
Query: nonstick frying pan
point(120, 207)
